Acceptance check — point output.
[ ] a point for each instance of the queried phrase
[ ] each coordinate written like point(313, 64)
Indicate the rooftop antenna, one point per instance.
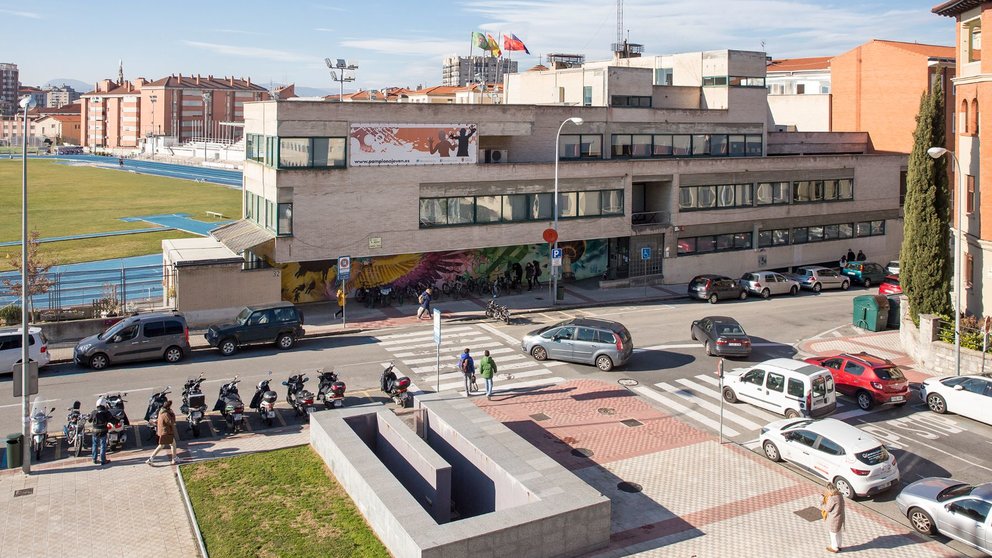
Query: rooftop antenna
point(623, 48)
point(120, 72)
point(341, 66)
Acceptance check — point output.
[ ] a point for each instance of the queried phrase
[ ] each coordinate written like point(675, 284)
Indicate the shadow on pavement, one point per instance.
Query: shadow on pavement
point(648, 360)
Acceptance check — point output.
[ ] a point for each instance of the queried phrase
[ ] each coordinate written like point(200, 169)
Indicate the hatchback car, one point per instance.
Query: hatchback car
point(150, 336)
point(855, 461)
point(590, 341)
point(715, 288)
point(890, 286)
point(721, 336)
point(768, 283)
point(10, 348)
point(952, 508)
point(892, 267)
point(817, 278)
point(869, 379)
point(280, 323)
point(865, 273)
point(968, 396)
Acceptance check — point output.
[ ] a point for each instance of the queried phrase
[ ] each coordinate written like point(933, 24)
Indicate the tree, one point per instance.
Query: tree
point(924, 259)
point(39, 281)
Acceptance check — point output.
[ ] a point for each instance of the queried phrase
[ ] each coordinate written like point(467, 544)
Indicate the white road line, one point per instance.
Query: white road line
point(427, 348)
point(715, 409)
point(18, 404)
point(955, 456)
point(506, 337)
point(461, 381)
point(426, 337)
point(728, 411)
point(420, 333)
point(428, 369)
point(683, 410)
point(454, 356)
point(836, 334)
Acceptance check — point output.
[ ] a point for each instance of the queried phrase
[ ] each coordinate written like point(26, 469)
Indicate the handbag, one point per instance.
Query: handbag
point(472, 384)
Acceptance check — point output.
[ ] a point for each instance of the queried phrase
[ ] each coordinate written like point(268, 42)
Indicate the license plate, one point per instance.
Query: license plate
point(196, 414)
point(735, 344)
point(311, 409)
point(271, 414)
point(897, 398)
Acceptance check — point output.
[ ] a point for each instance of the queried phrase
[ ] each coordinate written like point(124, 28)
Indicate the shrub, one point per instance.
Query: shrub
point(10, 314)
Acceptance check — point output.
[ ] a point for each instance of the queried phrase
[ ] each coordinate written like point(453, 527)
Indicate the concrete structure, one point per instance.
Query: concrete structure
point(459, 71)
point(57, 97)
point(12, 127)
point(37, 94)
point(509, 498)
point(799, 94)
point(9, 82)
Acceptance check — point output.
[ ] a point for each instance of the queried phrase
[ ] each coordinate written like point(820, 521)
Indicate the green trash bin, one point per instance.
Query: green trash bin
point(15, 453)
point(871, 312)
point(560, 292)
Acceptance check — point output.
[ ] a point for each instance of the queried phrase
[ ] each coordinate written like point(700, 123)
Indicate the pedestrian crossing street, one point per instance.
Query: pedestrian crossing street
point(418, 355)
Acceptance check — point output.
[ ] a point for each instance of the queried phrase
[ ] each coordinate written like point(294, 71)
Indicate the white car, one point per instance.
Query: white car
point(10, 348)
point(892, 267)
point(969, 396)
point(856, 462)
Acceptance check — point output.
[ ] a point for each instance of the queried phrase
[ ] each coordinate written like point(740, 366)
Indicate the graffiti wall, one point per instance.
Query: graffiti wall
point(317, 280)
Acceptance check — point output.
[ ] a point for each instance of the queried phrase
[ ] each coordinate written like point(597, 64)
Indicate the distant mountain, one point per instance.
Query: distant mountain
point(80, 86)
point(313, 91)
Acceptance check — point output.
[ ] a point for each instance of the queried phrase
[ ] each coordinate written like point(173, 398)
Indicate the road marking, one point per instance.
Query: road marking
point(849, 414)
point(424, 338)
point(420, 333)
point(428, 348)
point(746, 408)
point(19, 404)
point(506, 337)
point(450, 364)
point(715, 409)
point(746, 423)
point(446, 342)
point(455, 355)
point(461, 380)
point(915, 441)
point(124, 392)
point(683, 410)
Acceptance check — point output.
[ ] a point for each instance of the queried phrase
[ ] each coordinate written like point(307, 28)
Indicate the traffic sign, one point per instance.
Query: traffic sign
point(646, 253)
point(344, 267)
point(437, 327)
point(550, 236)
point(19, 378)
point(556, 257)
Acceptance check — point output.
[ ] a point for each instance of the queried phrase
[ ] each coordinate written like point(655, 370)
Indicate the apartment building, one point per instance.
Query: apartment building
point(9, 82)
point(459, 71)
point(57, 97)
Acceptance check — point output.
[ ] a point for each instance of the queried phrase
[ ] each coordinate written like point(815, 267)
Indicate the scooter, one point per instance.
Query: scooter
point(395, 388)
point(75, 428)
point(39, 428)
point(117, 432)
point(331, 390)
point(264, 401)
point(194, 404)
point(298, 397)
point(155, 403)
point(230, 406)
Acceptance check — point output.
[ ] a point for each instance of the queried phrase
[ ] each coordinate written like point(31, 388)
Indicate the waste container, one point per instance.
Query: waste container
point(871, 312)
point(560, 293)
point(15, 453)
point(894, 311)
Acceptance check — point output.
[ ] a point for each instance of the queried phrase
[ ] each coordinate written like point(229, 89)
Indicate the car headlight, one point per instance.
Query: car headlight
point(84, 347)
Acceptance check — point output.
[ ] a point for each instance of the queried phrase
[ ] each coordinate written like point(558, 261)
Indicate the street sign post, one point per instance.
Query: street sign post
point(646, 253)
point(344, 273)
point(555, 257)
point(719, 372)
point(32, 378)
point(550, 236)
point(437, 344)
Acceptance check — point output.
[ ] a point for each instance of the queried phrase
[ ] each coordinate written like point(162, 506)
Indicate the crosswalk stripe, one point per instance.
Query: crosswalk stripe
point(760, 414)
point(682, 410)
point(461, 381)
point(715, 409)
point(426, 348)
point(433, 377)
point(420, 333)
point(727, 413)
point(427, 338)
point(448, 356)
point(451, 362)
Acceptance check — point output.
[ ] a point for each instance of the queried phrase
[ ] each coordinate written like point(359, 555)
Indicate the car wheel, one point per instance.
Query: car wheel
point(173, 354)
point(794, 290)
point(921, 521)
point(791, 414)
point(729, 396)
point(604, 363)
point(865, 400)
point(196, 430)
point(228, 347)
point(845, 285)
point(285, 341)
point(771, 451)
point(936, 403)
point(714, 298)
point(709, 349)
point(867, 283)
point(817, 287)
point(743, 295)
point(765, 293)
point(692, 333)
point(845, 488)
point(539, 353)
point(99, 361)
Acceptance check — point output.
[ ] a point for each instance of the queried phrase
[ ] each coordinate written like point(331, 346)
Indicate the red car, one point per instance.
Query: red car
point(869, 379)
point(890, 286)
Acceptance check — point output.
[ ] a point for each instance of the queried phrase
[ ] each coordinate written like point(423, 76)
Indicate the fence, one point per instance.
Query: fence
point(971, 338)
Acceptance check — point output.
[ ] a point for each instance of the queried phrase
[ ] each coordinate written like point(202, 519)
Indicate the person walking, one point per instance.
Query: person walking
point(425, 303)
point(487, 369)
point(537, 274)
point(467, 366)
point(101, 419)
point(530, 276)
point(166, 432)
point(861, 256)
point(832, 511)
point(341, 298)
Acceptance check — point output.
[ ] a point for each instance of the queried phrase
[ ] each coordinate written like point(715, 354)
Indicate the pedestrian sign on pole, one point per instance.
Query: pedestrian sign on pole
point(344, 267)
point(556, 257)
point(437, 343)
point(646, 253)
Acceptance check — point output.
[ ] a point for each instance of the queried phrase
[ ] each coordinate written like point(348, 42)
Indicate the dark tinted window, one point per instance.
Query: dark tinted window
point(955, 491)
point(756, 377)
point(873, 456)
point(9, 342)
point(606, 337)
point(951, 382)
point(853, 368)
point(830, 447)
point(154, 329)
point(975, 509)
point(889, 373)
point(776, 382)
point(803, 437)
point(173, 327)
point(974, 385)
point(586, 334)
point(286, 314)
point(729, 329)
point(832, 363)
point(796, 388)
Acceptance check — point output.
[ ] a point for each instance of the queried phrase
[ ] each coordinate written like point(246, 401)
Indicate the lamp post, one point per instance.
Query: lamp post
point(554, 272)
point(959, 240)
point(206, 106)
point(25, 103)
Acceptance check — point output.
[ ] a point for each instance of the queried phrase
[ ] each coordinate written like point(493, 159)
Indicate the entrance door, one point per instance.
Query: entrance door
point(618, 258)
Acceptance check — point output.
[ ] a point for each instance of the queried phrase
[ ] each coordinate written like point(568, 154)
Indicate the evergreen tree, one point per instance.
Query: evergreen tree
point(924, 260)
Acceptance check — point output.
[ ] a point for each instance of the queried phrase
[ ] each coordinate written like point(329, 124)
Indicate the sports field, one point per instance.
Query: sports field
point(66, 200)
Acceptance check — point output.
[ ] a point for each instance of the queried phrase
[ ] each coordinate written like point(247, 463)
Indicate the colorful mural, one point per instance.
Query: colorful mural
point(317, 280)
point(412, 144)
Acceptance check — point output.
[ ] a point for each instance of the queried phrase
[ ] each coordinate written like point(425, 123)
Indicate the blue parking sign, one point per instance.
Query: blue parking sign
point(645, 253)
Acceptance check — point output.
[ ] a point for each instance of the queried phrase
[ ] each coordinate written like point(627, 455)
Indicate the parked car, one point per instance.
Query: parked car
point(952, 508)
point(280, 323)
point(969, 396)
point(590, 341)
point(893, 267)
point(865, 273)
point(721, 336)
point(767, 283)
point(871, 380)
point(855, 461)
point(817, 278)
point(715, 288)
point(890, 286)
point(10, 348)
point(149, 336)
point(784, 386)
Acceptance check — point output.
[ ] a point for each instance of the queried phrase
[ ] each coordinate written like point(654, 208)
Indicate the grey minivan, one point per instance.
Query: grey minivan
point(150, 336)
point(589, 341)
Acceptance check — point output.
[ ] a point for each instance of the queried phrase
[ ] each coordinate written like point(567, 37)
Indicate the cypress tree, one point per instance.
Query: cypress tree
point(924, 261)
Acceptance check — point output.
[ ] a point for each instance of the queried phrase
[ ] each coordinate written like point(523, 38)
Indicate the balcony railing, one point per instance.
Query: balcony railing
point(649, 218)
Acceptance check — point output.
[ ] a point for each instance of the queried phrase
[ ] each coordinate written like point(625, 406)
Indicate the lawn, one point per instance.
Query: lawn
point(281, 503)
point(74, 251)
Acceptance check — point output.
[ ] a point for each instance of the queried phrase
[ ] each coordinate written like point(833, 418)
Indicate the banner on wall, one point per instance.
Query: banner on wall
point(412, 144)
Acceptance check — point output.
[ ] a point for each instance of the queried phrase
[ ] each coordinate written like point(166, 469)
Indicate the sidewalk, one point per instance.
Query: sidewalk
point(850, 339)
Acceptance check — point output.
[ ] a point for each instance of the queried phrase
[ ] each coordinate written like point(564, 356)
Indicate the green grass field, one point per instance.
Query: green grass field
point(279, 503)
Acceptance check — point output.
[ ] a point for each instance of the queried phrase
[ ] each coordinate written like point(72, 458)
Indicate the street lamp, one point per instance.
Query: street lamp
point(25, 103)
point(554, 272)
point(936, 153)
point(206, 105)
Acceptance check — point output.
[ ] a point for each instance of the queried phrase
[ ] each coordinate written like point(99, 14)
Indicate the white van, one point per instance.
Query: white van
point(785, 386)
point(10, 348)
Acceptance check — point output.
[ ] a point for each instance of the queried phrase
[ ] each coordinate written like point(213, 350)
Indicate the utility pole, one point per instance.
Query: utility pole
point(339, 76)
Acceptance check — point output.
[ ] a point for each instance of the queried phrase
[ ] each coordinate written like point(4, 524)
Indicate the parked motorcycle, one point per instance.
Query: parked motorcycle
point(497, 311)
point(330, 389)
point(117, 430)
point(39, 427)
point(395, 388)
point(194, 404)
point(155, 403)
point(230, 406)
point(264, 401)
point(75, 428)
point(298, 397)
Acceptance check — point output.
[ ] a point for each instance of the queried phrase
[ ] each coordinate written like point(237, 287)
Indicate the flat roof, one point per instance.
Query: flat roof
point(198, 251)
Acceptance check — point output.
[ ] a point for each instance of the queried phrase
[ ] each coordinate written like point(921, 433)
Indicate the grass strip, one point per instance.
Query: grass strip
point(103, 248)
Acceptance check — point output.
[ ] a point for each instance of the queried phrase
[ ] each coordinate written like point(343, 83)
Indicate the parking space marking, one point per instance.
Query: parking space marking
point(888, 436)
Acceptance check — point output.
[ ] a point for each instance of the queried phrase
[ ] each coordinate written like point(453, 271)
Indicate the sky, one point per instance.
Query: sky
point(403, 42)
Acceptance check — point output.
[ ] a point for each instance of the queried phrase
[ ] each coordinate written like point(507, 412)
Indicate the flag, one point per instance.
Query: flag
point(480, 40)
point(511, 42)
point(493, 46)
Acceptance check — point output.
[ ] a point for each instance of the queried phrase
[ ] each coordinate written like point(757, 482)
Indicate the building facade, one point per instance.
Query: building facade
point(57, 97)
point(459, 71)
point(9, 82)
point(799, 94)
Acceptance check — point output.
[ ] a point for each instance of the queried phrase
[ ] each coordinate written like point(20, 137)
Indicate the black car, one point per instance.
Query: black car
point(280, 323)
point(715, 287)
point(722, 336)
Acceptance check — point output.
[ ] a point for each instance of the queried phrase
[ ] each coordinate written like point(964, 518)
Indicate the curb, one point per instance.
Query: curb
point(190, 514)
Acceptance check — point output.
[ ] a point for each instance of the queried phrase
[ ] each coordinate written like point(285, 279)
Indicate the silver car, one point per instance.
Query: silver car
point(768, 283)
point(817, 278)
point(590, 341)
point(952, 508)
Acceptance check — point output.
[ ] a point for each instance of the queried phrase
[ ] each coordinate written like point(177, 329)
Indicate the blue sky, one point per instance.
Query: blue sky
point(402, 43)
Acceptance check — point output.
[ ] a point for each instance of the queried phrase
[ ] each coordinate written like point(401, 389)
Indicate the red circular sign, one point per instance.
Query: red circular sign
point(550, 235)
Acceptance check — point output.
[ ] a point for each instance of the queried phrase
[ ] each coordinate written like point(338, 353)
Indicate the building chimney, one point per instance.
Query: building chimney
point(198, 79)
point(231, 81)
point(248, 81)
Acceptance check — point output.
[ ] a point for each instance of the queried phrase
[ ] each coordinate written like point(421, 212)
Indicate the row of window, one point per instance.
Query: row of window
point(295, 153)
point(630, 101)
point(728, 196)
point(686, 145)
point(477, 210)
point(277, 217)
point(733, 81)
point(778, 237)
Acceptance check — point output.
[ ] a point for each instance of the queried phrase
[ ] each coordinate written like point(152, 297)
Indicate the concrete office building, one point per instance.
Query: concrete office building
point(9, 83)
point(57, 97)
point(459, 71)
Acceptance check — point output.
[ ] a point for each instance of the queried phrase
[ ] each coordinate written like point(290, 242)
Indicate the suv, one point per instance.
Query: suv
point(866, 273)
point(591, 341)
point(142, 337)
point(767, 283)
point(871, 380)
point(10, 348)
point(280, 323)
point(714, 288)
point(817, 278)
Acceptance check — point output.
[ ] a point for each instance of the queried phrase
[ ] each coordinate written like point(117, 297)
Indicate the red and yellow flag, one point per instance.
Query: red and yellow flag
point(493, 46)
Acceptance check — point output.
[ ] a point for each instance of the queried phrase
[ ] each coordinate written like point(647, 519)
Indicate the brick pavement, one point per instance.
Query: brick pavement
point(884, 344)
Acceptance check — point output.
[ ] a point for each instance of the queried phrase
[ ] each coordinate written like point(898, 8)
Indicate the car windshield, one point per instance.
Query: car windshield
point(699, 281)
point(889, 373)
point(873, 456)
point(111, 331)
point(729, 329)
point(243, 316)
point(954, 492)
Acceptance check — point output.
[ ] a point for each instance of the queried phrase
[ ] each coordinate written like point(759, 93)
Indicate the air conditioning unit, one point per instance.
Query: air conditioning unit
point(494, 155)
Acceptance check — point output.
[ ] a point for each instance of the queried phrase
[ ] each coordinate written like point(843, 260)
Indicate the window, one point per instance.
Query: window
point(796, 388)
point(800, 235)
point(756, 377)
point(686, 246)
point(567, 206)
point(845, 230)
point(284, 223)
point(752, 146)
point(662, 146)
point(630, 101)
point(622, 146)
point(461, 211)
point(294, 152)
point(581, 146)
point(803, 191)
point(722, 196)
point(969, 270)
point(541, 206)
point(586, 334)
point(743, 81)
point(964, 117)
point(854, 368)
point(974, 509)
point(815, 233)
point(663, 76)
point(803, 437)
point(710, 81)
point(587, 95)
point(737, 146)
point(719, 145)
point(700, 145)
point(641, 145)
point(433, 211)
point(973, 31)
point(488, 209)
point(681, 145)
point(769, 193)
point(870, 228)
point(829, 447)
point(285, 314)
point(612, 202)
point(481, 210)
point(714, 243)
point(589, 204)
point(154, 329)
point(172, 327)
point(970, 200)
point(328, 152)
point(775, 382)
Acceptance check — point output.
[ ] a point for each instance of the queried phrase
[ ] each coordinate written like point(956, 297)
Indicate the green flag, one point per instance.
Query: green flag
point(480, 40)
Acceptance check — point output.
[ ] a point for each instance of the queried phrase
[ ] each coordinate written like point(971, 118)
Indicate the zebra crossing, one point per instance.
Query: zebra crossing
point(417, 353)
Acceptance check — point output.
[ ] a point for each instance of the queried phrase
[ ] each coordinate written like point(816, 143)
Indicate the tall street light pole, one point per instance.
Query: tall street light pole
point(206, 107)
point(554, 271)
point(25, 103)
point(959, 244)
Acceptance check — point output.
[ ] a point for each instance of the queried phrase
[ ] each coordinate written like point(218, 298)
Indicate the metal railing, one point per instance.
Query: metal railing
point(971, 337)
point(93, 289)
point(644, 218)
